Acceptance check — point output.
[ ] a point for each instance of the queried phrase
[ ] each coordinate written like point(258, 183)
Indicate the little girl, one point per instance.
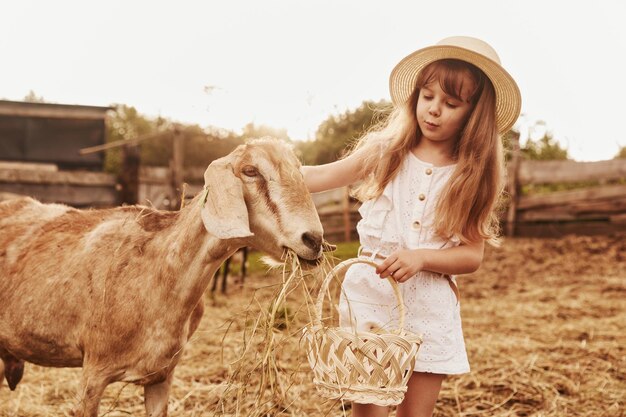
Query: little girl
point(429, 179)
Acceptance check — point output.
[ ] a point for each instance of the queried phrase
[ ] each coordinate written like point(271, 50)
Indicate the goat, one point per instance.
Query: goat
point(118, 291)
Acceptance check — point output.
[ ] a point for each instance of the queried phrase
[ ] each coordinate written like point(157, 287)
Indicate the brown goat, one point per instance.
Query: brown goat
point(118, 291)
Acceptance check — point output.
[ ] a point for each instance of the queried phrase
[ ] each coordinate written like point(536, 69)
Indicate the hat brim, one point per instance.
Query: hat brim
point(508, 98)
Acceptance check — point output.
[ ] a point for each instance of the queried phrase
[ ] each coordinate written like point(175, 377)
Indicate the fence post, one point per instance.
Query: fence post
point(513, 184)
point(347, 226)
point(128, 178)
point(176, 168)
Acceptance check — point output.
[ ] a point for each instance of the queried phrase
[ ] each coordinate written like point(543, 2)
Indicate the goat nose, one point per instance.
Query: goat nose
point(312, 240)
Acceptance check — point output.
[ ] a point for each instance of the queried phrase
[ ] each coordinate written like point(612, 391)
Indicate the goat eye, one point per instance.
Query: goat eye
point(250, 171)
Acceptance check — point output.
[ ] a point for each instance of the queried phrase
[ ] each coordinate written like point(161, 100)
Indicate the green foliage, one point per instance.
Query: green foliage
point(621, 154)
point(551, 188)
point(201, 146)
point(507, 141)
point(547, 149)
point(251, 131)
point(204, 146)
point(544, 149)
point(127, 123)
point(333, 137)
point(31, 97)
point(345, 250)
point(338, 132)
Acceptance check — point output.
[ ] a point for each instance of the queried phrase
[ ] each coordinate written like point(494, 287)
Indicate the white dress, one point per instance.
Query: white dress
point(401, 218)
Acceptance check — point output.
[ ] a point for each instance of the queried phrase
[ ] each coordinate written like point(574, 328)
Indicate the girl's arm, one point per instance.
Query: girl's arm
point(462, 259)
point(335, 174)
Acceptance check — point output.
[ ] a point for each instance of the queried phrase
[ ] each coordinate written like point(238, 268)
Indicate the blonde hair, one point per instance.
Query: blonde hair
point(467, 205)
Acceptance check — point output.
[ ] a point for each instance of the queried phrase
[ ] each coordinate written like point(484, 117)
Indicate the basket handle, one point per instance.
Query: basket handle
point(341, 267)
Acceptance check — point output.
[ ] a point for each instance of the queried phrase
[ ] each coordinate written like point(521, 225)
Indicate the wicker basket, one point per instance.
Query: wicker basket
point(364, 367)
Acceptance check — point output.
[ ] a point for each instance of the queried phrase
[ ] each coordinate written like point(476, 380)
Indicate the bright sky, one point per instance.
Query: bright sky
point(292, 63)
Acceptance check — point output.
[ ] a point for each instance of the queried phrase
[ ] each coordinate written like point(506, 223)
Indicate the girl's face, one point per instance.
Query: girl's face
point(441, 116)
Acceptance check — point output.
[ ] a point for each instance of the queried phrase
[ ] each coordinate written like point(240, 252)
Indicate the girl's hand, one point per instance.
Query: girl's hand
point(401, 265)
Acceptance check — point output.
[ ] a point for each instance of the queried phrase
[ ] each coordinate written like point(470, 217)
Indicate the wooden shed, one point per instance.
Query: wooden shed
point(40, 156)
point(52, 133)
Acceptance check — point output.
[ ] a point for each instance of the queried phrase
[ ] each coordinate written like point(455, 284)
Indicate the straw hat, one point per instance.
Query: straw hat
point(508, 98)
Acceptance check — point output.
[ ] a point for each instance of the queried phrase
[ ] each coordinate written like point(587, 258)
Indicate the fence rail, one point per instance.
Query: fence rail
point(598, 206)
point(75, 188)
point(563, 172)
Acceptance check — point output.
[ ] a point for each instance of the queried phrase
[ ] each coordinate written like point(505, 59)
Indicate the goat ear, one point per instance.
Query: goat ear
point(224, 212)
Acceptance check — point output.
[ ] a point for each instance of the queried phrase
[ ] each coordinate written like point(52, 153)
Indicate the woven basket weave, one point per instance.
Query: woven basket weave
point(364, 367)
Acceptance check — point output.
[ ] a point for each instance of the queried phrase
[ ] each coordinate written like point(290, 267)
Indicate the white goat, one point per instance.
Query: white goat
point(118, 291)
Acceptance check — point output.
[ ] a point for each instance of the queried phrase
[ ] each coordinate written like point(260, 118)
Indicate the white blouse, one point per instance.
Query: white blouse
point(402, 218)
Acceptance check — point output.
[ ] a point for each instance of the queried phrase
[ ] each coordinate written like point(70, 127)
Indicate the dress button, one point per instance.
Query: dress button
point(421, 197)
point(429, 171)
point(416, 225)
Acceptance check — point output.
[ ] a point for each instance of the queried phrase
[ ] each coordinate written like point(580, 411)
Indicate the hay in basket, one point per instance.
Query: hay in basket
point(360, 366)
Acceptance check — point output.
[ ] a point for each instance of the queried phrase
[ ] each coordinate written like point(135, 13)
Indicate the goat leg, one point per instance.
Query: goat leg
point(93, 384)
point(225, 275)
point(156, 397)
point(244, 264)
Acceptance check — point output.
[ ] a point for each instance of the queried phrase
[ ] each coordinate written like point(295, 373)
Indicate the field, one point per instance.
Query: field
point(544, 321)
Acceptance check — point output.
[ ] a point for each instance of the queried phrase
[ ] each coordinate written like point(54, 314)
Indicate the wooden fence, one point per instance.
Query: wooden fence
point(598, 206)
point(157, 187)
point(338, 214)
point(49, 185)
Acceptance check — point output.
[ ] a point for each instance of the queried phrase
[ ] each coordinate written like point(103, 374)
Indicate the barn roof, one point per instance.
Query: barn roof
point(49, 110)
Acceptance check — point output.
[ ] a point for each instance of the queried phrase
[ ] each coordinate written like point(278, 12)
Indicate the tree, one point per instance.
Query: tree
point(127, 123)
point(544, 149)
point(621, 154)
point(253, 131)
point(201, 146)
point(508, 138)
point(338, 132)
point(31, 97)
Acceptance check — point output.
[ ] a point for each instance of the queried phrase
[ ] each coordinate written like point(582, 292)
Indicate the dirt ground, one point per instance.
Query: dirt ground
point(544, 322)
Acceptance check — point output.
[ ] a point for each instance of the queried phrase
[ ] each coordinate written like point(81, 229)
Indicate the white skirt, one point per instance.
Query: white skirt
point(368, 303)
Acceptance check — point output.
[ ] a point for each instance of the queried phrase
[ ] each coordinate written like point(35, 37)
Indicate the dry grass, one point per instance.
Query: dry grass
point(544, 322)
